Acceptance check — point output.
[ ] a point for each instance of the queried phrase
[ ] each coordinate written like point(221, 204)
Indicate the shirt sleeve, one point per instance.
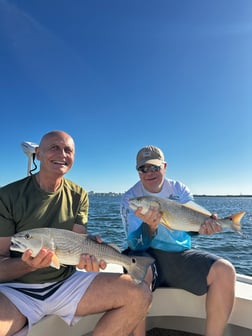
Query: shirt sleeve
point(82, 213)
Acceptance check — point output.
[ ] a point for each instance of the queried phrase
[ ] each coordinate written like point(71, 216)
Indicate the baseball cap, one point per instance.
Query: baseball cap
point(149, 155)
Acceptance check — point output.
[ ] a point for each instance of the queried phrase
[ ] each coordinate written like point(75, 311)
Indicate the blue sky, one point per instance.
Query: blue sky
point(119, 75)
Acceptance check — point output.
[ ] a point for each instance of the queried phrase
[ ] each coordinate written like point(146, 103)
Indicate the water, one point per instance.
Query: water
point(105, 220)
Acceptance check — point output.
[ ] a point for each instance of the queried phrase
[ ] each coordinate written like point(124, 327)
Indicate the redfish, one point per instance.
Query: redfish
point(68, 246)
point(184, 217)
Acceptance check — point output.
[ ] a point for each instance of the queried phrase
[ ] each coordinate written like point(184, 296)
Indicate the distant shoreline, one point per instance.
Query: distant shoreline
point(113, 194)
point(222, 195)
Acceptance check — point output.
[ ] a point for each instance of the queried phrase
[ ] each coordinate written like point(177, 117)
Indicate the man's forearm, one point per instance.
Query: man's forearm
point(13, 268)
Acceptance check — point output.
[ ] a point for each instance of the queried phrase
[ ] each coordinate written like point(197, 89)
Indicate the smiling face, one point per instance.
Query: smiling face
point(153, 180)
point(56, 153)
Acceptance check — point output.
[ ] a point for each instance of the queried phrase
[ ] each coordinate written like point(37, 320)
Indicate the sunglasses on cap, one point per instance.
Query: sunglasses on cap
point(149, 169)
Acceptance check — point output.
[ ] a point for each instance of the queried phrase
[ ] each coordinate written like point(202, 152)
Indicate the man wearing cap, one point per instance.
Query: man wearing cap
point(177, 264)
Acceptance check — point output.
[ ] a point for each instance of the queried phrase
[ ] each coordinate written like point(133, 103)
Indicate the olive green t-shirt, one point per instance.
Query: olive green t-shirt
point(23, 205)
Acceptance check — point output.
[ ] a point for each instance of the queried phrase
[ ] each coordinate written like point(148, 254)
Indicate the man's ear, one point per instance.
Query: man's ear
point(37, 151)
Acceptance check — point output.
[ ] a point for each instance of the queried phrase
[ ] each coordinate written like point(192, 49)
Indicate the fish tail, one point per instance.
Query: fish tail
point(138, 267)
point(236, 218)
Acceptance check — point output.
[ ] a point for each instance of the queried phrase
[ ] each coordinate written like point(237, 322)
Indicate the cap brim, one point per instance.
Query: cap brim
point(155, 162)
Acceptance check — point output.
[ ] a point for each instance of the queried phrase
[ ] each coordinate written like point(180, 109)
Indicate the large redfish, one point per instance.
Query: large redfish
point(68, 246)
point(184, 217)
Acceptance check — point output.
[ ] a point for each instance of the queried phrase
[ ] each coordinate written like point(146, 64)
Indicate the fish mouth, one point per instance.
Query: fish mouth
point(17, 245)
point(134, 204)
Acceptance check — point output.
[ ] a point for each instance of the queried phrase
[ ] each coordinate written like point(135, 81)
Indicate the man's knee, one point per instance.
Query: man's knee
point(221, 270)
point(11, 318)
point(143, 294)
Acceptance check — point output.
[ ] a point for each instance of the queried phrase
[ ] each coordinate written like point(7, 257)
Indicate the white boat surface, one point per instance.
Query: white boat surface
point(172, 309)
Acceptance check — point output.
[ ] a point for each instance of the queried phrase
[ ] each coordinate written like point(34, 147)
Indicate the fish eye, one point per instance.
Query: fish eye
point(27, 236)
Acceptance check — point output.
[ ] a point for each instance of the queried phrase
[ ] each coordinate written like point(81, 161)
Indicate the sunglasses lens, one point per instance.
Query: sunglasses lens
point(147, 169)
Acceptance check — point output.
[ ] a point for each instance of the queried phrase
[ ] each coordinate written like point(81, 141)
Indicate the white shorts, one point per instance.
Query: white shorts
point(48, 299)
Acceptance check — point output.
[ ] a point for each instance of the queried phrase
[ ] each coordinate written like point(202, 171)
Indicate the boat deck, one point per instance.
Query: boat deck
point(177, 311)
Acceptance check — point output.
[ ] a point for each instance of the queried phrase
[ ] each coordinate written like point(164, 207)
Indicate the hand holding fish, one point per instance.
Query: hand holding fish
point(89, 262)
point(71, 248)
point(152, 217)
point(184, 217)
point(210, 226)
point(41, 260)
point(45, 256)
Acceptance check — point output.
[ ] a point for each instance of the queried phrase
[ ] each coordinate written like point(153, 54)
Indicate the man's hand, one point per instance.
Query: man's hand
point(210, 226)
point(89, 263)
point(43, 258)
point(152, 217)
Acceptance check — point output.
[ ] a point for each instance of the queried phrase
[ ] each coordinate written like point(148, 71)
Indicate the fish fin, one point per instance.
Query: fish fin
point(165, 221)
point(55, 262)
point(236, 218)
point(195, 206)
point(139, 266)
